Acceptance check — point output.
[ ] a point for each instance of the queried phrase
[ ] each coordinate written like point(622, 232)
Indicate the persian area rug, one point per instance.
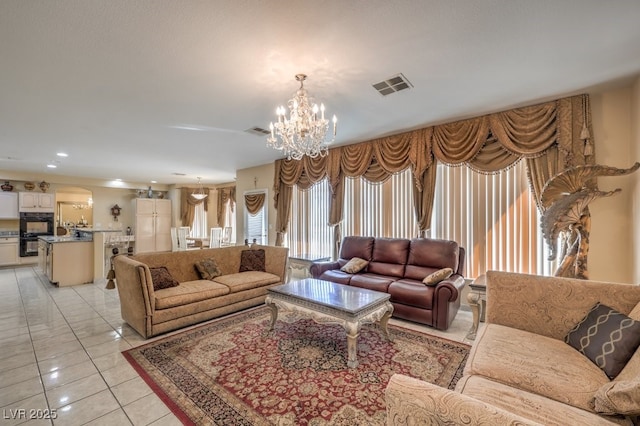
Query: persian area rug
point(233, 371)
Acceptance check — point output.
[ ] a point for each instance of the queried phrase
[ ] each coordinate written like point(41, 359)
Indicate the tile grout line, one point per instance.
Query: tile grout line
point(40, 377)
point(53, 300)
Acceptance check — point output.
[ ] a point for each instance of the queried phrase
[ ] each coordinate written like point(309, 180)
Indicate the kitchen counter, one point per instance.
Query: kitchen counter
point(66, 260)
point(64, 239)
point(93, 230)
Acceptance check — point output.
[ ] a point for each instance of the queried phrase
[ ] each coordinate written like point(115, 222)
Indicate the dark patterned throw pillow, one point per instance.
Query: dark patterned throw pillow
point(161, 278)
point(208, 269)
point(607, 337)
point(252, 260)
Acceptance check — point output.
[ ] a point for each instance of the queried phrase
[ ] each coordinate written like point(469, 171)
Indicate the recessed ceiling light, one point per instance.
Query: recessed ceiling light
point(118, 180)
point(62, 154)
point(51, 166)
point(154, 181)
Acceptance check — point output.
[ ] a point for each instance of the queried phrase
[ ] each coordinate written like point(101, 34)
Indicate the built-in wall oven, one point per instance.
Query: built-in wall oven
point(33, 225)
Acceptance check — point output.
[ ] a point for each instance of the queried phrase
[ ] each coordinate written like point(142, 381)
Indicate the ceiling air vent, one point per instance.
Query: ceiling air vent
point(393, 84)
point(258, 131)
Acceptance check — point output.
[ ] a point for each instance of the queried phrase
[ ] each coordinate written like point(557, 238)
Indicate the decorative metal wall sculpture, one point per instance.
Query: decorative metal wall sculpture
point(565, 200)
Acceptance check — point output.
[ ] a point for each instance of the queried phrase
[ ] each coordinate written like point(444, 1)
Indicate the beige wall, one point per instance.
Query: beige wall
point(635, 156)
point(260, 177)
point(611, 245)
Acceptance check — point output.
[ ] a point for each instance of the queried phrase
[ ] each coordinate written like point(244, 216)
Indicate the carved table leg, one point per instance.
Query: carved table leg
point(384, 321)
point(353, 330)
point(474, 302)
point(274, 312)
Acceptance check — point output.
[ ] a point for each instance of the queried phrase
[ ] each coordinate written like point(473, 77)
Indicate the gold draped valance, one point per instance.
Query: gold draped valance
point(547, 135)
point(188, 203)
point(254, 202)
point(225, 194)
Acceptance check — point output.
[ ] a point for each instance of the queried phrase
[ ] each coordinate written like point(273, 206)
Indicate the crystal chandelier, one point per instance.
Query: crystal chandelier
point(304, 132)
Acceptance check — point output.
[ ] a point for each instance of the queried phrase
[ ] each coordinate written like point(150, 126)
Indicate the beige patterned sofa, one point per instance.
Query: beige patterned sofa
point(151, 312)
point(520, 370)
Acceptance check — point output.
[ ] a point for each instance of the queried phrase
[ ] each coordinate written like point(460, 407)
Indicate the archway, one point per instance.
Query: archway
point(74, 208)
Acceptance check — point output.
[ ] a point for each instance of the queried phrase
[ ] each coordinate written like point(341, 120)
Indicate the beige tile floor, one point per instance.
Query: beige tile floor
point(60, 353)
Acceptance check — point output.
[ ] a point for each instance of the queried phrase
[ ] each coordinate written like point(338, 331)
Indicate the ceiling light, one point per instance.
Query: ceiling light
point(62, 154)
point(51, 166)
point(154, 181)
point(199, 194)
point(303, 133)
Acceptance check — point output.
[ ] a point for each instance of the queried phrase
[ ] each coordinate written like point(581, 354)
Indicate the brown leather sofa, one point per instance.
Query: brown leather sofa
point(398, 266)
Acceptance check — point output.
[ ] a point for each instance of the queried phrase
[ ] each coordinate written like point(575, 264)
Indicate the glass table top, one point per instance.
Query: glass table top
point(338, 296)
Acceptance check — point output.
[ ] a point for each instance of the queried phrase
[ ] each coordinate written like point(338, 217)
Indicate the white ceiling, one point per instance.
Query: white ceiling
point(111, 81)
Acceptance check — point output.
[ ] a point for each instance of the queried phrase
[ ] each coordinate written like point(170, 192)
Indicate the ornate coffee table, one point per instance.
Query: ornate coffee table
point(330, 303)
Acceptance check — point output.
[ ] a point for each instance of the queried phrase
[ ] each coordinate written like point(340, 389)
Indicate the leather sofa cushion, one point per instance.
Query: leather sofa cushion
point(427, 255)
point(371, 281)
point(336, 276)
point(412, 293)
point(188, 292)
point(389, 256)
point(361, 247)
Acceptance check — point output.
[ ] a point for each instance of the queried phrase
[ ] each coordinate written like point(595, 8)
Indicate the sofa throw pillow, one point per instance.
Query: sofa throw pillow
point(252, 260)
point(437, 276)
point(161, 278)
point(208, 269)
point(354, 266)
point(607, 337)
point(618, 397)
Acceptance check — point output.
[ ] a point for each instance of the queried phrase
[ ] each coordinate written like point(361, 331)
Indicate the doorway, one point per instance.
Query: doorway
point(74, 208)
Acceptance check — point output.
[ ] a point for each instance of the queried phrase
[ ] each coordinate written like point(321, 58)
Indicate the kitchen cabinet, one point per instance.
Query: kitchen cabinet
point(37, 202)
point(9, 205)
point(9, 251)
point(152, 227)
point(67, 262)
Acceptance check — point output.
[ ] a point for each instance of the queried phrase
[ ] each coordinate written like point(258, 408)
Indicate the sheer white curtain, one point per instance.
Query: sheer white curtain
point(199, 228)
point(230, 218)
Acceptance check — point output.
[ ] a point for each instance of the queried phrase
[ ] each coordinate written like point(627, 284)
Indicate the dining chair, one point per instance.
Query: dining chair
point(226, 237)
point(215, 237)
point(175, 245)
point(183, 233)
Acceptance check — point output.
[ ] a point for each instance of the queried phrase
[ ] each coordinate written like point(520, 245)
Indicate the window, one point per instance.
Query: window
point(380, 209)
point(230, 219)
point(493, 217)
point(256, 225)
point(308, 229)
